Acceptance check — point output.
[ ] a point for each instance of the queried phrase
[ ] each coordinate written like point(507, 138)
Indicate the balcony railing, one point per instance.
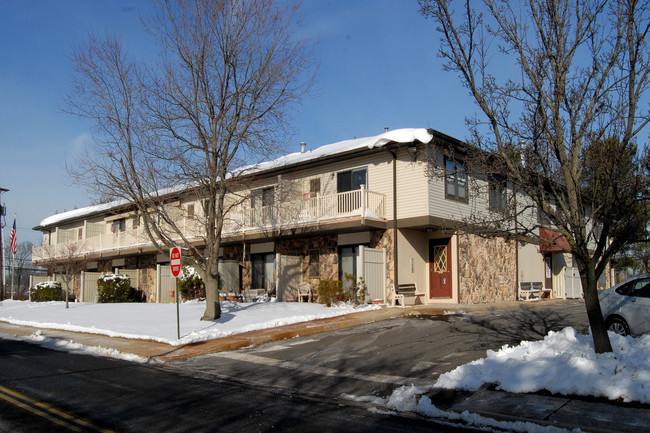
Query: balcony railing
point(363, 204)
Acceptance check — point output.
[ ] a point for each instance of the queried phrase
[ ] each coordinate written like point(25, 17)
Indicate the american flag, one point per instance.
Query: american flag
point(12, 237)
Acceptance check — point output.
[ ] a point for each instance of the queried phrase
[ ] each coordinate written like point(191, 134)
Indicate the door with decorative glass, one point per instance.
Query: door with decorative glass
point(440, 268)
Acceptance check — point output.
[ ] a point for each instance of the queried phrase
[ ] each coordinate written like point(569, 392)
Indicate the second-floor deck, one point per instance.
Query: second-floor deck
point(360, 205)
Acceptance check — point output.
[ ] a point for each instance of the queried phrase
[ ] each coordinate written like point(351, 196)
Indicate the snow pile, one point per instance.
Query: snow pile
point(113, 277)
point(158, 321)
point(563, 363)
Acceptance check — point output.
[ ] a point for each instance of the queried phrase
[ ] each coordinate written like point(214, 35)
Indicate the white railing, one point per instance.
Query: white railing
point(361, 203)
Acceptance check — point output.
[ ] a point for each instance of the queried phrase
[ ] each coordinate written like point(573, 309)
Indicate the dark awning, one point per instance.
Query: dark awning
point(552, 241)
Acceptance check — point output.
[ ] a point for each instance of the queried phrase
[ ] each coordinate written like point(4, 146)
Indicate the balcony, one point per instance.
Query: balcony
point(361, 204)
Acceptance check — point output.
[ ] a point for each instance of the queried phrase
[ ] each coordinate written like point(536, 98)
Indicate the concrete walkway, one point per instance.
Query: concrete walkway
point(565, 412)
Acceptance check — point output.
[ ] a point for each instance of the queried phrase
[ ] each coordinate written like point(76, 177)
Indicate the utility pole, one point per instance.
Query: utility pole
point(3, 212)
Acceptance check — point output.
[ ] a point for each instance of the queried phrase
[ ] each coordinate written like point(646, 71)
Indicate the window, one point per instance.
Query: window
point(639, 288)
point(347, 261)
point(136, 222)
point(455, 180)
point(314, 187)
point(118, 225)
point(190, 211)
point(314, 263)
point(497, 191)
point(351, 180)
point(263, 266)
point(262, 197)
point(80, 233)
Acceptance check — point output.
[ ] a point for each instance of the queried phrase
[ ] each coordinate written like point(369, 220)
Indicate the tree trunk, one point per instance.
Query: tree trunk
point(595, 316)
point(212, 308)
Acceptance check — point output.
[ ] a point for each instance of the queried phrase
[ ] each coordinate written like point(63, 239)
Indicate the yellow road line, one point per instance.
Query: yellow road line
point(48, 411)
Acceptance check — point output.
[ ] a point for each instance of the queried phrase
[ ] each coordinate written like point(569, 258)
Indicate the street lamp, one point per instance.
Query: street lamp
point(3, 212)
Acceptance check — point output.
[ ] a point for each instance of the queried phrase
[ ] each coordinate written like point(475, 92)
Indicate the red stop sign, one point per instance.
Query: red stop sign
point(175, 260)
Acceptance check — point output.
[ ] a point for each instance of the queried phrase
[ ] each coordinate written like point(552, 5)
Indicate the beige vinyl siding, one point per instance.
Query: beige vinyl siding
point(413, 258)
point(380, 177)
point(412, 194)
point(531, 263)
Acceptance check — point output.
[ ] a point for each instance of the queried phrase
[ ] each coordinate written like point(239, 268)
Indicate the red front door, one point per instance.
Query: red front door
point(440, 268)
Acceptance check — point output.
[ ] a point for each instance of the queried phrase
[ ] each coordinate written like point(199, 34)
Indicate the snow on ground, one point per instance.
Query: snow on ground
point(158, 321)
point(564, 362)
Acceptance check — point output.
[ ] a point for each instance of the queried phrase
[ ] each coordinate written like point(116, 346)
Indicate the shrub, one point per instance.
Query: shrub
point(357, 291)
point(335, 291)
point(116, 288)
point(47, 291)
point(330, 291)
point(190, 284)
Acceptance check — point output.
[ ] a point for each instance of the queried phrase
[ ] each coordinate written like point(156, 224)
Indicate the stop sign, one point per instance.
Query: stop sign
point(175, 259)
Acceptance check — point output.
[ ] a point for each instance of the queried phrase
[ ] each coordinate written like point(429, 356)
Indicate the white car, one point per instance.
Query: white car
point(626, 306)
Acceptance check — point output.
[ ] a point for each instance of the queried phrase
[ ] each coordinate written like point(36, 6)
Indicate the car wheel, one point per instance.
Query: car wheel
point(618, 325)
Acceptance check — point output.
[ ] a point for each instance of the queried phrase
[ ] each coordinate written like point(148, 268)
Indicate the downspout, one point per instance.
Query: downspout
point(514, 193)
point(395, 256)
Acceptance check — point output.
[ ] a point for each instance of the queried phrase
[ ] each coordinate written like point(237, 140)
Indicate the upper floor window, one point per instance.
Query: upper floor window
point(351, 180)
point(497, 192)
point(455, 180)
point(314, 187)
point(263, 197)
point(118, 225)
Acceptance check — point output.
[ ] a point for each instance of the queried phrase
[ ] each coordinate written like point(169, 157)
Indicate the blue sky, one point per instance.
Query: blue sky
point(378, 68)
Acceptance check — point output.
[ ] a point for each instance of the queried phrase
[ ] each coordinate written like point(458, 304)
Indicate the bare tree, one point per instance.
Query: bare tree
point(18, 264)
point(67, 260)
point(183, 129)
point(562, 90)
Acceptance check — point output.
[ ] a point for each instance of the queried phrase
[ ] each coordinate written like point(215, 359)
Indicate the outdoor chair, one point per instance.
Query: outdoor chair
point(304, 292)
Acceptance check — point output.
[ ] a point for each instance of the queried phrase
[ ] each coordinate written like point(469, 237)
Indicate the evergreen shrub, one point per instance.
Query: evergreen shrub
point(47, 291)
point(190, 284)
point(112, 288)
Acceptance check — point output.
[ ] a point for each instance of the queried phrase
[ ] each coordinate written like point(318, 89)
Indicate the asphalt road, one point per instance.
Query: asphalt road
point(47, 391)
point(375, 359)
point(328, 382)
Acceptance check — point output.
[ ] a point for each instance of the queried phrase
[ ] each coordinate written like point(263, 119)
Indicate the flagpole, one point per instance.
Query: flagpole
point(13, 274)
point(14, 245)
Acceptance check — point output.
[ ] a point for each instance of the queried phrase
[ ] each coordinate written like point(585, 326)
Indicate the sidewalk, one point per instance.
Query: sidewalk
point(564, 412)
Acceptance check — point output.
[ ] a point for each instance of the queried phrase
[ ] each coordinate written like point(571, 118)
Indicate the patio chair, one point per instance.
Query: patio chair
point(304, 292)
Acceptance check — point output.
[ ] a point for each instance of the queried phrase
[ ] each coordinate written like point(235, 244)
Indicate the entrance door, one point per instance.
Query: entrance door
point(548, 271)
point(440, 268)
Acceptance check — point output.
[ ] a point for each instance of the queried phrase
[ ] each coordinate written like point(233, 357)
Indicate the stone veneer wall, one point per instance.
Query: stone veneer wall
point(105, 266)
point(328, 255)
point(147, 266)
point(328, 268)
point(487, 269)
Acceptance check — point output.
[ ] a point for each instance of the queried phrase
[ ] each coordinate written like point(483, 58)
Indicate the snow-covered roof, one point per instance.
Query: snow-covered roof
point(405, 135)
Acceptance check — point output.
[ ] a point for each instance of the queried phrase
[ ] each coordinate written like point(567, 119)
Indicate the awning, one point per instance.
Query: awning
point(552, 241)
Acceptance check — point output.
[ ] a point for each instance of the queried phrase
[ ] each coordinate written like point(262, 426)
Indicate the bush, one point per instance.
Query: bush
point(116, 288)
point(334, 291)
point(330, 291)
point(190, 284)
point(357, 292)
point(47, 291)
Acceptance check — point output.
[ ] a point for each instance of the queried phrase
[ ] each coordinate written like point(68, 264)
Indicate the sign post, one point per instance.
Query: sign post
point(176, 265)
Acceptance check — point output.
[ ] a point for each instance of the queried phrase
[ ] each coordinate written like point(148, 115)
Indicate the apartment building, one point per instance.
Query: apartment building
point(367, 207)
